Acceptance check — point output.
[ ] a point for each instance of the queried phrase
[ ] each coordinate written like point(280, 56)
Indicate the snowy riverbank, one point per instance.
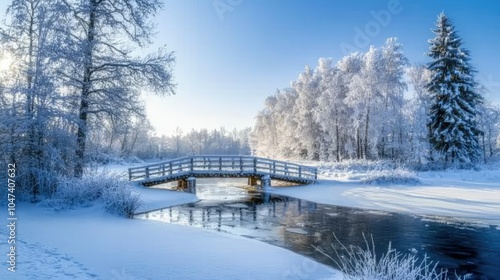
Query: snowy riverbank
point(91, 244)
point(462, 194)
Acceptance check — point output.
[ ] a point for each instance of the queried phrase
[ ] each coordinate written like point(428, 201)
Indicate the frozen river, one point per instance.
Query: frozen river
point(230, 206)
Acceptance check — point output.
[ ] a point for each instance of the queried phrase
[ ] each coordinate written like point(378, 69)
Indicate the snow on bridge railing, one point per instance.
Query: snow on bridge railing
point(212, 165)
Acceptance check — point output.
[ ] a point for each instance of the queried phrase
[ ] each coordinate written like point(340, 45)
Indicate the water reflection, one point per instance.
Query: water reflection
point(298, 224)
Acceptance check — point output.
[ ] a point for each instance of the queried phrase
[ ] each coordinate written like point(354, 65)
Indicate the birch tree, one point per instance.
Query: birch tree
point(307, 130)
point(418, 112)
point(364, 97)
point(392, 87)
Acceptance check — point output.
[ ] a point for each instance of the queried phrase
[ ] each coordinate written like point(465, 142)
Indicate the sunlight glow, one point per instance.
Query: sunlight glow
point(6, 61)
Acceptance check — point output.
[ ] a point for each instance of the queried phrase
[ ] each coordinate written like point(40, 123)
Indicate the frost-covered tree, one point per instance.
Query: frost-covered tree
point(73, 81)
point(454, 132)
point(392, 86)
point(332, 113)
point(287, 143)
point(274, 133)
point(357, 109)
point(307, 130)
point(338, 112)
point(365, 98)
point(417, 113)
point(101, 67)
point(36, 119)
point(264, 135)
point(489, 123)
point(349, 69)
point(323, 77)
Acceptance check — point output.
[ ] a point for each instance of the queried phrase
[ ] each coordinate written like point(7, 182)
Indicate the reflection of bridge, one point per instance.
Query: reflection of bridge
point(255, 168)
point(262, 212)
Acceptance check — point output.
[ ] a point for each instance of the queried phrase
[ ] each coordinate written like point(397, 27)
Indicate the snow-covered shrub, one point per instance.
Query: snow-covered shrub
point(353, 169)
point(114, 192)
point(80, 192)
point(359, 263)
point(121, 200)
point(73, 192)
point(357, 165)
point(396, 176)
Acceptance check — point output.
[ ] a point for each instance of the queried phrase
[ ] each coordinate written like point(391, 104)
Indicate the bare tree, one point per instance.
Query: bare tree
point(101, 67)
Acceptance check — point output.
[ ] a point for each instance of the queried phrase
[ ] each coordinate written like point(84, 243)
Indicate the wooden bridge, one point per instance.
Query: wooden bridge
point(255, 168)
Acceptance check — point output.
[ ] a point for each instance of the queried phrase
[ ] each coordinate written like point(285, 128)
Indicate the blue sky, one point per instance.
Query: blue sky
point(232, 54)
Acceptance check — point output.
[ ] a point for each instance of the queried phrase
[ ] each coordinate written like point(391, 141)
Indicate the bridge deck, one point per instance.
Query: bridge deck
point(222, 166)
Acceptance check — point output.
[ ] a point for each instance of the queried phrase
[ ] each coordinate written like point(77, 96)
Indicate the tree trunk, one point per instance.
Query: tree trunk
point(359, 149)
point(337, 139)
point(81, 134)
point(31, 152)
point(84, 102)
point(131, 148)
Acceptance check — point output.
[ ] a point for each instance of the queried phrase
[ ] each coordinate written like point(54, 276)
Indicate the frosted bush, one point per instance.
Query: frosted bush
point(121, 200)
point(353, 169)
point(73, 192)
point(115, 193)
point(359, 263)
point(396, 176)
point(357, 165)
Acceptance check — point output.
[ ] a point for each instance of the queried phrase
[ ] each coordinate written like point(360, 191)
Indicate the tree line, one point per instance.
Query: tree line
point(140, 141)
point(375, 105)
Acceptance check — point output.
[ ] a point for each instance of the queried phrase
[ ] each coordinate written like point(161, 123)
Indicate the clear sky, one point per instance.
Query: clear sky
point(232, 54)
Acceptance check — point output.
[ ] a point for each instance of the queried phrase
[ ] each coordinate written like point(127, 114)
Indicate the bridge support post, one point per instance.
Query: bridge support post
point(252, 180)
point(181, 184)
point(265, 181)
point(191, 185)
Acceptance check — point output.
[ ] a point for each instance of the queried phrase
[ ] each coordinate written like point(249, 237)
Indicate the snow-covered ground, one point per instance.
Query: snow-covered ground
point(91, 244)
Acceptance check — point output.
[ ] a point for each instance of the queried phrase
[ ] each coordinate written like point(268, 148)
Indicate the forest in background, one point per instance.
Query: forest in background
point(141, 142)
point(373, 105)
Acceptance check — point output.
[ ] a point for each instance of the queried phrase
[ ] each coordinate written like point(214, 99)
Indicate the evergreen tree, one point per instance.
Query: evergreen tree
point(452, 119)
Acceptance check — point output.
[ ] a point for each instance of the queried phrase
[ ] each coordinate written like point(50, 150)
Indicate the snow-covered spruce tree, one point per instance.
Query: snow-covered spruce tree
point(453, 128)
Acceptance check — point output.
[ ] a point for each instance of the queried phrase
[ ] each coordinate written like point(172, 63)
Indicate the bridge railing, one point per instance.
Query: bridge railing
point(224, 165)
